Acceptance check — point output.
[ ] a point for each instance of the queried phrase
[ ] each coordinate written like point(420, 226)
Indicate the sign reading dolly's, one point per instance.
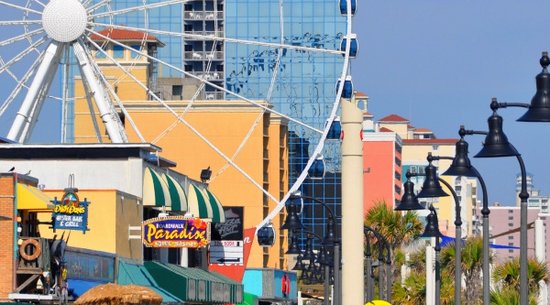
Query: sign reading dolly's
point(70, 213)
point(175, 232)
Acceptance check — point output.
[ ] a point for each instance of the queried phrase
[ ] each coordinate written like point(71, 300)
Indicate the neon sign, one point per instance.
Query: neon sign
point(175, 232)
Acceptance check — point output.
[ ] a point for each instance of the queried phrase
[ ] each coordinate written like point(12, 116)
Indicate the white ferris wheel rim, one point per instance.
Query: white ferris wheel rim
point(67, 25)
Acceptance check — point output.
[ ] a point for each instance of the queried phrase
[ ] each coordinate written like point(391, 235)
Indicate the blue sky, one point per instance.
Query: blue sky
point(439, 63)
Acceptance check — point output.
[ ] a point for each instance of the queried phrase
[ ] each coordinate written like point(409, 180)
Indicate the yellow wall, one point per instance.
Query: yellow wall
point(108, 218)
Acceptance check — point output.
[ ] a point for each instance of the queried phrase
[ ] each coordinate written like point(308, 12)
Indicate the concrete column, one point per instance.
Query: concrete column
point(430, 275)
point(353, 266)
point(540, 253)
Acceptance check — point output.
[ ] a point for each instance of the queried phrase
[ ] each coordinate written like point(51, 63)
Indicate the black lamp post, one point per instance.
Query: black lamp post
point(496, 145)
point(293, 222)
point(383, 244)
point(461, 166)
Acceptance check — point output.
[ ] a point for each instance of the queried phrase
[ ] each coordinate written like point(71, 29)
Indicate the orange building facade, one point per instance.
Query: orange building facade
point(197, 135)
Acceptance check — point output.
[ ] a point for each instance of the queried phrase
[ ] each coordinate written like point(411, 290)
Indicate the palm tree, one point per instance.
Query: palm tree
point(397, 227)
point(472, 263)
point(506, 276)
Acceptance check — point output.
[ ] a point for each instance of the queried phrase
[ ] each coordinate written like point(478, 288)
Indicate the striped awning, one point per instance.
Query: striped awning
point(161, 190)
point(203, 204)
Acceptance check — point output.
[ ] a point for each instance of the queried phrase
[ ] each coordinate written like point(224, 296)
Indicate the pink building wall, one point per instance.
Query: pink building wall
point(503, 219)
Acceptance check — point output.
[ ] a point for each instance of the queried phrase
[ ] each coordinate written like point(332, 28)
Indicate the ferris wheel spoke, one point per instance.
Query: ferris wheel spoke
point(39, 3)
point(36, 93)
point(111, 120)
point(208, 82)
point(23, 53)
point(212, 36)
point(96, 6)
point(195, 131)
point(109, 87)
point(19, 22)
point(138, 8)
point(91, 108)
point(22, 8)
point(23, 36)
point(20, 83)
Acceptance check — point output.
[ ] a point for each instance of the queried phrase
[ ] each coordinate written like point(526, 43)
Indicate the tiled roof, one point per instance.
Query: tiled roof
point(393, 118)
point(424, 130)
point(430, 141)
point(360, 94)
point(384, 129)
point(124, 35)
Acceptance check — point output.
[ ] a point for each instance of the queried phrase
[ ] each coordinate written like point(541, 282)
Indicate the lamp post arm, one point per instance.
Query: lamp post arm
point(329, 210)
point(496, 105)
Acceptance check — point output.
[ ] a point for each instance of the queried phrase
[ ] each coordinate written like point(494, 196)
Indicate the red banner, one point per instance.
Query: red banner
point(236, 271)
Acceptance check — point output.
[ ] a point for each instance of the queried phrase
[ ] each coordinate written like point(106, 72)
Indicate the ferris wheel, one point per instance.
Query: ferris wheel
point(292, 54)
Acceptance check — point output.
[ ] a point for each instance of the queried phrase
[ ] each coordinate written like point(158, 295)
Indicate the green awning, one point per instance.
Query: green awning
point(194, 284)
point(203, 204)
point(163, 191)
point(129, 273)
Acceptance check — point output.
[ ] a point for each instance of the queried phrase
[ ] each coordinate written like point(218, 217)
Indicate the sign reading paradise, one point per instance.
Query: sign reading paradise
point(175, 232)
point(70, 213)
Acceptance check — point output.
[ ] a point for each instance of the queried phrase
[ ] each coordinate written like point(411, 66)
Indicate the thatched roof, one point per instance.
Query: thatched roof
point(113, 294)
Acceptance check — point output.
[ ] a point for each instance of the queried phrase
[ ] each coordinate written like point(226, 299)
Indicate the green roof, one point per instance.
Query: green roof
point(194, 284)
point(129, 273)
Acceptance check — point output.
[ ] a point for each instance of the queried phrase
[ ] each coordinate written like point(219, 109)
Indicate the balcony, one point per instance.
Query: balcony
point(203, 55)
point(209, 76)
point(202, 15)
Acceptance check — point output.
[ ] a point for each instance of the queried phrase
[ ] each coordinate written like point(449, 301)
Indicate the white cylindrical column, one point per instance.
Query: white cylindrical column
point(353, 265)
point(540, 254)
point(430, 276)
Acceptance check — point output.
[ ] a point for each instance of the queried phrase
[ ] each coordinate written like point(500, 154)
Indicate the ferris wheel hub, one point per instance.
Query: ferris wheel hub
point(64, 20)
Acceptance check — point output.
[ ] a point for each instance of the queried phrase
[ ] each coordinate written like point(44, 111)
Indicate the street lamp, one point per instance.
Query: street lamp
point(461, 166)
point(293, 222)
point(382, 243)
point(496, 145)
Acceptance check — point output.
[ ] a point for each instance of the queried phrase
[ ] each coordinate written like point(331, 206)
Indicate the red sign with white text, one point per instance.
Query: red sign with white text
point(236, 271)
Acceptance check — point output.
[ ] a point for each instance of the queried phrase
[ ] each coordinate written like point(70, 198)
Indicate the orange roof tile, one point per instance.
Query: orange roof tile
point(125, 35)
point(384, 129)
point(360, 94)
point(423, 130)
point(393, 118)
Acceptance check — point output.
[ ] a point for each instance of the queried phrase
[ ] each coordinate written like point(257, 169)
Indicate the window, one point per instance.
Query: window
point(510, 251)
point(510, 211)
point(118, 51)
point(100, 54)
point(510, 224)
point(510, 237)
point(136, 47)
point(177, 91)
point(510, 217)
